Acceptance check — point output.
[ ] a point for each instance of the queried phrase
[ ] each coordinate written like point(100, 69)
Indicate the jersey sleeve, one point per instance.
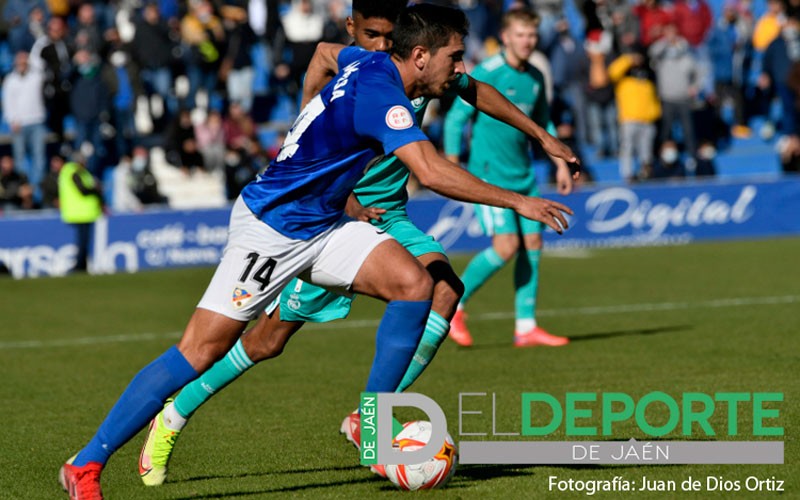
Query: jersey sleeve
point(385, 115)
point(460, 113)
point(458, 116)
point(349, 54)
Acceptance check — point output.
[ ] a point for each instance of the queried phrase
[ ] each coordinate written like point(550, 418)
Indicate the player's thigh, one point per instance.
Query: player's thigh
point(503, 225)
point(302, 301)
point(256, 264)
point(448, 288)
point(343, 252)
point(496, 220)
point(391, 273)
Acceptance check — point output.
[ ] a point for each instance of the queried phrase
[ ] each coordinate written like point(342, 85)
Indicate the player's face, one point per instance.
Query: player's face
point(373, 34)
point(520, 39)
point(444, 66)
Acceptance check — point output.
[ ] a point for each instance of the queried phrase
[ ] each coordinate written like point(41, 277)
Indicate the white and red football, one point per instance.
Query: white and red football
point(433, 473)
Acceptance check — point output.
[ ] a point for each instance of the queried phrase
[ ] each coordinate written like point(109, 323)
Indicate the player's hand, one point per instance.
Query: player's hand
point(564, 179)
point(355, 210)
point(545, 211)
point(554, 147)
point(367, 214)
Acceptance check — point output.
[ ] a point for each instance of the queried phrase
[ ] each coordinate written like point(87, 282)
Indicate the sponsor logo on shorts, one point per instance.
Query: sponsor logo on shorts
point(399, 118)
point(240, 297)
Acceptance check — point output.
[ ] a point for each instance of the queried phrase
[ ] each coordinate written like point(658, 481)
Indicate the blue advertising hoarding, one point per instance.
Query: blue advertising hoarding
point(42, 245)
point(648, 214)
point(641, 215)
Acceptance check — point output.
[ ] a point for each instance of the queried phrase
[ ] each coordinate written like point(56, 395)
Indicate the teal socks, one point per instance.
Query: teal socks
point(482, 267)
point(224, 371)
point(526, 284)
point(435, 332)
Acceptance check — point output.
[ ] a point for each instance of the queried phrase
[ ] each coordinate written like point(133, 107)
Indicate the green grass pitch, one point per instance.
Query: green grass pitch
point(704, 317)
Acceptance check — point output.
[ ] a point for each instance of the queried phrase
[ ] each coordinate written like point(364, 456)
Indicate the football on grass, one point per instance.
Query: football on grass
point(433, 473)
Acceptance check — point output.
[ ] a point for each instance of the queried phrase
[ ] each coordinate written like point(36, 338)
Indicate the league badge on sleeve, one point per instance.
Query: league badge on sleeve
point(399, 118)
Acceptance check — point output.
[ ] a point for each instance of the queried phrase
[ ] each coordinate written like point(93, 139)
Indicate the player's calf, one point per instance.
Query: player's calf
point(268, 337)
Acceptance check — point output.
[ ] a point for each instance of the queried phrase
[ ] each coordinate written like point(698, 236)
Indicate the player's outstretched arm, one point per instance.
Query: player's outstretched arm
point(321, 69)
point(448, 179)
point(489, 100)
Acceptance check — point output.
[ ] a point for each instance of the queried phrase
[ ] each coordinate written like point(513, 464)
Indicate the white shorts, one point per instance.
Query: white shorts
point(258, 262)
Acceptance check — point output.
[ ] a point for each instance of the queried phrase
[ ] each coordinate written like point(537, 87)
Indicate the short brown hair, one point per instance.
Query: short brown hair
point(428, 25)
point(525, 16)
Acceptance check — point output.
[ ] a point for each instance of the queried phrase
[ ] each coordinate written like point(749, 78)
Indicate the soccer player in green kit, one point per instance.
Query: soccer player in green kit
point(383, 190)
point(499, 154)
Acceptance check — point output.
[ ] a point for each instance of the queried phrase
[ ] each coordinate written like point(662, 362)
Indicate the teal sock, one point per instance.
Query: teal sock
point(435, 332)
point(482, 267)
point(224, 371)
point(526, 284)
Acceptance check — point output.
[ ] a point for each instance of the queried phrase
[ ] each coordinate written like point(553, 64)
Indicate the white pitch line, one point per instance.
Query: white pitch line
point(364, 323)
point(33, 344)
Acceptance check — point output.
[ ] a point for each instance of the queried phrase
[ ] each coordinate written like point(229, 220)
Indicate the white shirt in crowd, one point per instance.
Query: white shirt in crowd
point(23, 101)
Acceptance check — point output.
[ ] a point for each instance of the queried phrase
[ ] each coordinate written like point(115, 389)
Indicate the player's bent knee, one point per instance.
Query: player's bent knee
point(506, 245)
point(201, 355)
point(267, 350)
point(447, 294)
point(413, 286)
point(208, 337)
point(268, 338)
point(506, 252)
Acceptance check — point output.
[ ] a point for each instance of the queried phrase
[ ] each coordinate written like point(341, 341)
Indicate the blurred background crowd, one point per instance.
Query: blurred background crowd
point(182, 102)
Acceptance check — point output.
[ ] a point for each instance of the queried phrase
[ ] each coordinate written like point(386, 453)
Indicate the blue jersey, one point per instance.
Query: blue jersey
point(360, 116)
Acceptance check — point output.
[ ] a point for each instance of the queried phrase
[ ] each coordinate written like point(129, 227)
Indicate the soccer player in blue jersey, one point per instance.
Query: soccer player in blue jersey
point(383, 189)
point(290, 222)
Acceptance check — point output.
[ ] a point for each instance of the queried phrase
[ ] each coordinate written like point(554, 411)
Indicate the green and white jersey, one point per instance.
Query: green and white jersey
point(384, 184)
point(499, 153)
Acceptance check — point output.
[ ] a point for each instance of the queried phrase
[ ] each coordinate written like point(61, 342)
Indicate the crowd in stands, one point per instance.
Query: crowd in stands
point(660, 85)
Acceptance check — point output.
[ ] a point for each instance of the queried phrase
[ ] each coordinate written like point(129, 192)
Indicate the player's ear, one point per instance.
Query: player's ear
point(504, 38)
point(350, 26)
point(420, 56)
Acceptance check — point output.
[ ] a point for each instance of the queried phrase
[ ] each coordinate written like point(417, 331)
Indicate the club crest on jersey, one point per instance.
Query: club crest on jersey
point(240, 297)
point(399, 118)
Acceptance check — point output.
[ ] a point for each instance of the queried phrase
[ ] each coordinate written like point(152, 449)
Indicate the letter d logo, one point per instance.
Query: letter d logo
point(386, 454)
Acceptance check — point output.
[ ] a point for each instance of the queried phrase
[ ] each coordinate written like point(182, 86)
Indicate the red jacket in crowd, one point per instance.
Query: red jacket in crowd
point(694, 19)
